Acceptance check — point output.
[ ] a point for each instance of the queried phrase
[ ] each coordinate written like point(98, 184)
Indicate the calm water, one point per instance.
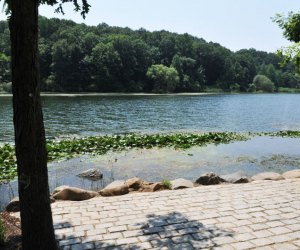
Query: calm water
point(94, 115)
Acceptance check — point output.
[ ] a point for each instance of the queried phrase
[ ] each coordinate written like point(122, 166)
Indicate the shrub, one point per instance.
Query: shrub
point(251, 87)
point(263, 83)
point(167, 184)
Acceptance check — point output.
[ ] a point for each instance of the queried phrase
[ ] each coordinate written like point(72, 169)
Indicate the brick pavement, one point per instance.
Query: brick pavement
point(257, 215)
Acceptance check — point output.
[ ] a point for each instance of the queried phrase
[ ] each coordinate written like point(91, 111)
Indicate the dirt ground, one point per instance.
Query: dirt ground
point(13, 232)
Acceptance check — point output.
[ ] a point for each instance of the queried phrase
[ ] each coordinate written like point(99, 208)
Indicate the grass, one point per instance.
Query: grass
point(288, 90)
point(167, 184)
point(67, 149)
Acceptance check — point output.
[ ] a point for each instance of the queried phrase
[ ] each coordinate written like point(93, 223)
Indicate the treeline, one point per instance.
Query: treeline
point(76, 57)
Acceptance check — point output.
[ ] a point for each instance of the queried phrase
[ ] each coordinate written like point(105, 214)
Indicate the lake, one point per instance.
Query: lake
point(71, 115)
point(97, 115)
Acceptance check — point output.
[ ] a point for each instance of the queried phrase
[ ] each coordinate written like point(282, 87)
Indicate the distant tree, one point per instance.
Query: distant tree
point(106, 67)
point(164, 78)
point(36, 217)
point(263, 83)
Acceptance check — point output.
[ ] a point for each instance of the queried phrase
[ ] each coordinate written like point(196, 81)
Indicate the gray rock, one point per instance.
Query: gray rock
point(292, 174)
point(91, 174)
point(181, 183)
point(237, 177)
point(209, 179)
point(73, 194)
point(13, 205)
point(115, 188)
point(267, 176)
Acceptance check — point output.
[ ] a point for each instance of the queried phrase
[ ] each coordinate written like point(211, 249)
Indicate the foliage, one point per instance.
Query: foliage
point(2, 233)
point(291, 30)
point(263, 83)
point(164, 78)
point(76, 57)
point(167, 184)
point(290, 25)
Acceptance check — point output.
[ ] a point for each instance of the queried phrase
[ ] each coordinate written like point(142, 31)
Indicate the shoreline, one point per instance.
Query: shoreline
point(91, 94)
point(116, 94)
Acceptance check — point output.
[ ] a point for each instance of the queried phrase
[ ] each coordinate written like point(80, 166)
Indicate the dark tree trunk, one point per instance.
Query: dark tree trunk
point(36, 216)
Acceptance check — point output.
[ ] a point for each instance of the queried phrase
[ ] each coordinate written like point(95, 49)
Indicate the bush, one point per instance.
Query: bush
point(251, 87)
point(263, 83)
point(2, 233)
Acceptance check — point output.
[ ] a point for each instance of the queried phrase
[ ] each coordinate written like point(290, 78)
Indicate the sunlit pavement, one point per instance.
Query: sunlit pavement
point(258, 215)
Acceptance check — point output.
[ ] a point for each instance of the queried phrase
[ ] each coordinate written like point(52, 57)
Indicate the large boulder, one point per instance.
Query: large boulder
point(181, 183)
point(115, 188)
point(59, 188)
point(73, 194)
point(135, 183)
point(237, 177)
point(267, 176)
point(209, 179)
point(91, 174)
point(13, 205)
point(153, 187)
point(292, 174)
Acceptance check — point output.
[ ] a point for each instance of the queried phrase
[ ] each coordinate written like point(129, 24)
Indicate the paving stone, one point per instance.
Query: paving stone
point(280, 230)
point(127, 241)
point(244, 237)
point(285, 246)
point(261, 242)
point(243, 245)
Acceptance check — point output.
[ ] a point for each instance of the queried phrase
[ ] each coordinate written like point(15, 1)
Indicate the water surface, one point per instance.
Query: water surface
point(96, 115)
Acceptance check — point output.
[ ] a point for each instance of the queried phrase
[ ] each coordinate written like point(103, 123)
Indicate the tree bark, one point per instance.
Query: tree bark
point(36, 216)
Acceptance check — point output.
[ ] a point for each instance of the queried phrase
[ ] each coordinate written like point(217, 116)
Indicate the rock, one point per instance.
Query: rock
point(153, 187)
point(134, 184)
point(237, 177)
point(292, 174)
point(267, 176)
point(181, 183)
point(13, 205)
point(209, 179)
point(115, 188)
point(91, 174)
point(73, 194)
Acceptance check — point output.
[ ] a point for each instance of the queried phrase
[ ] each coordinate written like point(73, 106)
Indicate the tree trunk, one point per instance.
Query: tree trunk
point(36, 216)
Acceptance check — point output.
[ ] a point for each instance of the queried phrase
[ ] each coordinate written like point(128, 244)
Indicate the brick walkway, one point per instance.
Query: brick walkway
point(261, 215)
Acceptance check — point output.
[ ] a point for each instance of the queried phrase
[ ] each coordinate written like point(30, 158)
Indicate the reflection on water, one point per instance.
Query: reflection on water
point(256, 155)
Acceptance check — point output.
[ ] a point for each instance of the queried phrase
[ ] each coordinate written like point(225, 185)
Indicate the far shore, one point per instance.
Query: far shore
point(117, 94)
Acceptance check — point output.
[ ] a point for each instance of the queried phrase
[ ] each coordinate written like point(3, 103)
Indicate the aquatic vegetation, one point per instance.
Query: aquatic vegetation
point(287, 133)
point(66, 149)
point(8, 165)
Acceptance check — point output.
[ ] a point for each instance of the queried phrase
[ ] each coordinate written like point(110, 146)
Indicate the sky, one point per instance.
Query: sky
point(235, 24)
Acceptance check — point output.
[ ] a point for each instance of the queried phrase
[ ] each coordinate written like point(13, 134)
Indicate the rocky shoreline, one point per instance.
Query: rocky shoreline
point(134, 185)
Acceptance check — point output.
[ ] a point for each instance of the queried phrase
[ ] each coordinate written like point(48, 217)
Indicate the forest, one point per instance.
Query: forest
point(80, 58)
